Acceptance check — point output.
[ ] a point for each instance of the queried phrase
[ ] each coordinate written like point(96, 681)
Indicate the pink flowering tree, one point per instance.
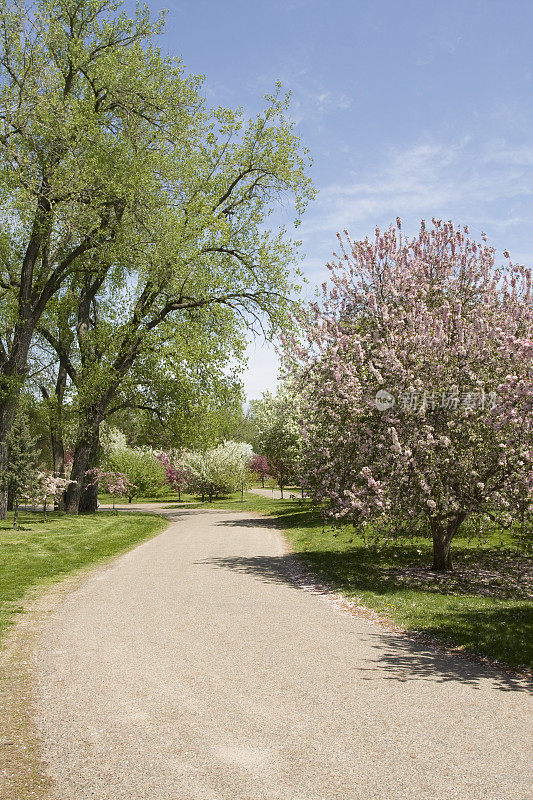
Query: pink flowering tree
point(177, 473)
point(416, 384)
point(114, 483)
point(259, 465)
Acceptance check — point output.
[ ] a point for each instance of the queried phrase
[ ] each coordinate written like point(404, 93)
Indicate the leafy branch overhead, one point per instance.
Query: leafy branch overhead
point(131, 202)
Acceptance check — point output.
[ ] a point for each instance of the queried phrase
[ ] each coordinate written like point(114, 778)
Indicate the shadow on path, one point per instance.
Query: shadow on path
point(398, 656)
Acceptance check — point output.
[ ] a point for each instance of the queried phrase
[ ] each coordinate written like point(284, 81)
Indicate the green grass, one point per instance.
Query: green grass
point(39, 553)
point(482, 608)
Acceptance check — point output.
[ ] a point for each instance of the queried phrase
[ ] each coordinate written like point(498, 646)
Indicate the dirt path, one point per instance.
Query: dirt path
point(275, 494)
point(193, 668)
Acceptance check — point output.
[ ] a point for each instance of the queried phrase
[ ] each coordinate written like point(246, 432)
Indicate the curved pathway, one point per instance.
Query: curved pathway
point(194, 668)
point(275, 494)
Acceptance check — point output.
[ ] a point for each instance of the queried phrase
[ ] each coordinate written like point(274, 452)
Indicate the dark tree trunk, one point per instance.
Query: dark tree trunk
point(56, 423)
point(80, 464)
point(89, 499)
point(7, 414)
point(443, 533)
point(84, 450)
point(89, 495)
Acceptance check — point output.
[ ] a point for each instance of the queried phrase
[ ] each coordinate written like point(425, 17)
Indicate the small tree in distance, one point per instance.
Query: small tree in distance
point(48, 486)
point(176, 471)
point(21, 475)
point(259, 465)
point(114, 483)
point(219, 470)
point(143, 469)
point(278, 437)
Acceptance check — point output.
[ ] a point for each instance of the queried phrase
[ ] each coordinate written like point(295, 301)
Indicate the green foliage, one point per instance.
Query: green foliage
point(21, 475)
point(142, 468)
point(138, 242)
point(275, 418)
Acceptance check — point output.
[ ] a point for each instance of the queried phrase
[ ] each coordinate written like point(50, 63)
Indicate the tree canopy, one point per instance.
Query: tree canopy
point(132, 204)
point(416, 384)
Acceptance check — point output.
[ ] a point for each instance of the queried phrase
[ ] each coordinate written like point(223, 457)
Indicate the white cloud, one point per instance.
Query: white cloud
point(454, 180)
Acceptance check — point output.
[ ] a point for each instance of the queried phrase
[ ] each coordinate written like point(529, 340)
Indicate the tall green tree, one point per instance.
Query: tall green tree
point(20, 475)
point(210, 255)
point(278, 438)
point(87, 107)
point(126, 192)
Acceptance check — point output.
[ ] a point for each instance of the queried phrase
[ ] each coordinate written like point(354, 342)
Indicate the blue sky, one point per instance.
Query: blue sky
point(413, 109)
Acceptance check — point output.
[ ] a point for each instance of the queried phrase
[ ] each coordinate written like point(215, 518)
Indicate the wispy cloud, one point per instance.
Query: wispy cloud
point(311, 98)
point(454, 180)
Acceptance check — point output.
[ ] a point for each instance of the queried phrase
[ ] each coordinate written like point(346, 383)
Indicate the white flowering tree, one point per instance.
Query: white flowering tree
point(219, 470)
point(417, 388)
point(47, 488)
point(276, 418)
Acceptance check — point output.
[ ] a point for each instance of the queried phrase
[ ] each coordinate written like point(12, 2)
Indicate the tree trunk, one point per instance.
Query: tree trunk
point(56, 424)
point(7, 413)
point(443, 533)
point(89, 495)
point(84, 450)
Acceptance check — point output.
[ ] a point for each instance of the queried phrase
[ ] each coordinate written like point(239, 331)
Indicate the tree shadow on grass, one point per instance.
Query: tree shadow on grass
point(483, 574)
point(291, 515)
point(403, 658)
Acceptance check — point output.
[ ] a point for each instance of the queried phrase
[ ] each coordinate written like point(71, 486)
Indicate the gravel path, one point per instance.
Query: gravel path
point(275, 494)
point(193, 668)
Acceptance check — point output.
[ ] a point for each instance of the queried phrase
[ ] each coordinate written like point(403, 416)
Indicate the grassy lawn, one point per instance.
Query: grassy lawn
point(483, 607)
point(38, 552)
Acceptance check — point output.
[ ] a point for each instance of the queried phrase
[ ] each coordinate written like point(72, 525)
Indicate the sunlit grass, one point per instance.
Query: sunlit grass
point(38, 552)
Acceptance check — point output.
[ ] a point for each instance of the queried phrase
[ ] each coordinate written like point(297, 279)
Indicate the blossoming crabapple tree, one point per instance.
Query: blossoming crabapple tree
point(177, 473)
point(220, 470)
point(278, 435)
point(48, 486)
point(416, 382)
point(259, 466)
point(115, 483)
